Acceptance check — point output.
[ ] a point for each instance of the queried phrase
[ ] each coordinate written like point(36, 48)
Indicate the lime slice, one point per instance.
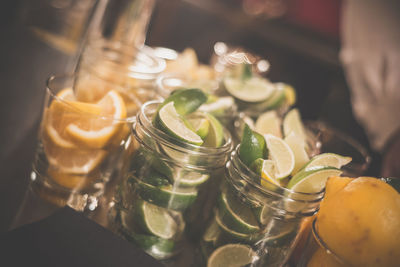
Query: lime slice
point(252, 146)
point(201, 126)
point(299, 151)
point(155, 246)
point(186, 100)
point(215, 137)
point(292, 123)
point(281, 154)
point(232, 255)
point(327, 160)
point(153, 177)
point(269, 123)
point(312, 180)
point(276, 100)
point(174, 124)
point(167, 196)
point(218, 106)
point(236, 215)
point(155, 220)
point(185, 178)
point(254, 89)
point(266, 169)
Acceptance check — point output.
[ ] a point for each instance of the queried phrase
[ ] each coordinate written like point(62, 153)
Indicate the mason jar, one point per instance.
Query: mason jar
point(107, 65)
point(169, 192)
point(258, 223)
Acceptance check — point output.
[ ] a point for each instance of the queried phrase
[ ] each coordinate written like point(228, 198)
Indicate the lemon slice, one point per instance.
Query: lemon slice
point(269, 123)
point(173, 124)
point(96, 132)
point(281, 154)
point(254, 89)
point(292, 123)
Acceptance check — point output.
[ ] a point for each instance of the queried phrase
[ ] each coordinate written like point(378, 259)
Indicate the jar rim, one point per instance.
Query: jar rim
point(144, 120)
point(139, 63)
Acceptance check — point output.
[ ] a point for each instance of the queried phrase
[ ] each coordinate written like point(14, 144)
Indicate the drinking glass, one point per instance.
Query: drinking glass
point(81, 147)
point(107, 65)
point(170, 189)
point(263, 222)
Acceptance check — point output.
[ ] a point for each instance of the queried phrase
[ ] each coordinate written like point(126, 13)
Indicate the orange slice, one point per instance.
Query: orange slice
point(95, 131)
point(72, 181)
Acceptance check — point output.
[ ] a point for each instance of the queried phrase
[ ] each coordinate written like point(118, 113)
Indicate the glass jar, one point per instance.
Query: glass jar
point(169, 193)
point(264, 221)
point(107, 65)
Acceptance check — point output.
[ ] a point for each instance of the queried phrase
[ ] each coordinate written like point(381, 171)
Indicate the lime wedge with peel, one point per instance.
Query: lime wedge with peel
point(281, 154)
point(232, 255)
point(201, 126)
point(254, 89)
point(266, 169)
point(252, 146)
point(186, 100)
point(269, 123)
point(215, 137)
point(327, 160)
point(292, 123)
point(166, 196)
point(312, 180)
point(236, 215)
point(218, 105)
point(174, 124)
point(299, 151)
point(155, 220)
point(155, 246)
point(186, 178)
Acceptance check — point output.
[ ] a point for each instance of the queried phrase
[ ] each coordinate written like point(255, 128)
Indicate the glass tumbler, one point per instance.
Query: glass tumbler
point(107, 65)
point(170, 190)
point(81, 146)
point(255, 225)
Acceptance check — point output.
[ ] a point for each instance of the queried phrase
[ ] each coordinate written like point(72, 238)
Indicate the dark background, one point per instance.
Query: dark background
point(303, 51)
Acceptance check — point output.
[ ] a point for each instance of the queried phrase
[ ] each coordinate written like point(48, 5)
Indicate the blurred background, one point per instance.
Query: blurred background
point(300, 38)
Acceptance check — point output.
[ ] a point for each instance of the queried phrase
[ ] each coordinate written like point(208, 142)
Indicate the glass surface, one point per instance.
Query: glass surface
point(131, 71)
point(80, 148)
point(170, 190)
point(267, 219)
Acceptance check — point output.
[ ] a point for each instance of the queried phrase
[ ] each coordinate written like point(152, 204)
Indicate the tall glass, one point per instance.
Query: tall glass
point(80, 147)
point(263, 222)
point(170, 190)
point(107, 65)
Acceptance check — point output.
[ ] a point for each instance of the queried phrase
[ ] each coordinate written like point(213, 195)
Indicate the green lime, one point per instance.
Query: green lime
point(166, 196)
point(312, 180)
point(267, 170)
point(156, 246)
point(327, 160)
point(236, 215)
point(144, 159)
point(155, 220)
point(232, 255)
point(281, 154)
point(253, 90)
point(276, 100)
point(186, 100)
point(186, 178)
point(231, 234)
point(215, 137)
point(153, 177)
point(292, 123)
point(299, 151)
point(201, 126)
point(172, 123)
point(246, 71)
point(269, 123)
point(252, 146)
point(218, 106)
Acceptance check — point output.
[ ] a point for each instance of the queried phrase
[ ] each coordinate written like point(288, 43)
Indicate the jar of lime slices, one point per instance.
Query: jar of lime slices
point(264, 202)
point(168, 195)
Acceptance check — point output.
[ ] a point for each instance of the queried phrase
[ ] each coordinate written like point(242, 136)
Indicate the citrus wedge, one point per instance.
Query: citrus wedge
point(254, 89)
point(327, 160)
point(281, 154)
point(292, 123)
point(94, 131)
point(269, 123)
point(232, 255)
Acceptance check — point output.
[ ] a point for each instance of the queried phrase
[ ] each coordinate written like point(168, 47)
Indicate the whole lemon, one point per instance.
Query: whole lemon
point(360, 221)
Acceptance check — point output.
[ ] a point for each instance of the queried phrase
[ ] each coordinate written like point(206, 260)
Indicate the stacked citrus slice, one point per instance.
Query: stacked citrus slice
point(77, 136)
